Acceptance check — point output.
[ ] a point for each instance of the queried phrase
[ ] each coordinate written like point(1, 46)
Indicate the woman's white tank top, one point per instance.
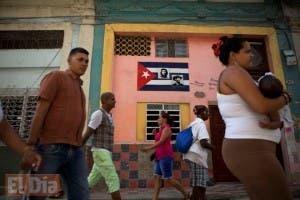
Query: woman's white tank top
point(241, 121)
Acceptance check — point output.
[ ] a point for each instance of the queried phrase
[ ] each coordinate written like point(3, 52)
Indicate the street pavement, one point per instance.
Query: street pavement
point(219, 191)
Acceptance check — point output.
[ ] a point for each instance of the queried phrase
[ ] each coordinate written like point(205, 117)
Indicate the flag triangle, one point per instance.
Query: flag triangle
point(144, 75)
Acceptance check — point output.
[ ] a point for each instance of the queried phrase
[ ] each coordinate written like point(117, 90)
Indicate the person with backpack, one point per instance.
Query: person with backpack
point(196, 156)
point(164, 154)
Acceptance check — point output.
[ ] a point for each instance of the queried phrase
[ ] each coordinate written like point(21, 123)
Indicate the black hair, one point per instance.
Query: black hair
point(234, 44)
point(105, 96)
point(270, 86)
point(166, 116)
point(200, 109)
point(78, 50)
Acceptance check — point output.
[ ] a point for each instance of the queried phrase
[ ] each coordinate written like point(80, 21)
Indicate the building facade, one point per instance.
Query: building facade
point(154, 55)
point(134, 35)
point(36, 38)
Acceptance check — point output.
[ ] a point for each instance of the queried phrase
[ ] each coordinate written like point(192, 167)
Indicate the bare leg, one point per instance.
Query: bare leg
point(156, 187)
point(179, 187)
point(116, 195)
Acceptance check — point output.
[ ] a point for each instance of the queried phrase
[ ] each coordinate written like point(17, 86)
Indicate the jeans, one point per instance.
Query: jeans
point(68, 161)
point(164, 167)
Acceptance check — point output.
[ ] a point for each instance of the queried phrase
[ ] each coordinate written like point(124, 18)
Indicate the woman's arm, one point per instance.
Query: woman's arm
point(271, 122)
point(165, 135)
point(238, 80)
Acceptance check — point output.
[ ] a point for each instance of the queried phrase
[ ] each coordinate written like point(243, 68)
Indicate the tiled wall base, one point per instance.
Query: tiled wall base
point(136, 170)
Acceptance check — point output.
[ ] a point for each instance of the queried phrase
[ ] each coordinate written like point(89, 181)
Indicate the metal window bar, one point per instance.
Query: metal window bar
point(31, 39)
point(152, 114)
point(171, 48)
point(19, 111)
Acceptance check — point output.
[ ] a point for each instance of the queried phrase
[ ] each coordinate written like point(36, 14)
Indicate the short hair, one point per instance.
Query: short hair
point(78, 50)
point(270, 86)
point(105, 96)
point(200, 109)
point(166, 116)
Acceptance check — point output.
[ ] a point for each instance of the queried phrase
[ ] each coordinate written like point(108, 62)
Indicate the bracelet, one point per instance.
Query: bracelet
point(287, 97)
point(286, 101)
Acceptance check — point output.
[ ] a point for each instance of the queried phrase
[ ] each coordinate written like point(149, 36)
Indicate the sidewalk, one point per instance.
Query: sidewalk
point(220, 191)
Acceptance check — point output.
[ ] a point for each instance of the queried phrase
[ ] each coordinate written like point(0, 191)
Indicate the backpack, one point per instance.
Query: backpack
point(184, 140)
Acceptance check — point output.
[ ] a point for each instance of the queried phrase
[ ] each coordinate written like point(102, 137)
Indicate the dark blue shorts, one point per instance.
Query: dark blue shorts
point(164, 167)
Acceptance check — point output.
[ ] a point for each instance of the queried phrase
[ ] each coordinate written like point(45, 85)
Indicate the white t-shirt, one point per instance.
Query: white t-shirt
point(197, 153)
point(1, 112)
point(95, 121)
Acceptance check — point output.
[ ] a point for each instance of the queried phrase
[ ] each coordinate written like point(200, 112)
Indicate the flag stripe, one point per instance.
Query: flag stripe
point(185, 76)
point(165, 88)
point(170, 70)
point(164, 82)
point(164, 65)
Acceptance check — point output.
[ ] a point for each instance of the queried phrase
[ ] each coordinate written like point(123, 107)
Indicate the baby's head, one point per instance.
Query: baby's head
point(270, 86)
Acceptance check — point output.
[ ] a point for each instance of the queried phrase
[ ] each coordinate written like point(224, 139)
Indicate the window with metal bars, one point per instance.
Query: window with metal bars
point(19, 111)
point(153, 112)
point(31, 39)
point(132, 46)
point(171, 48)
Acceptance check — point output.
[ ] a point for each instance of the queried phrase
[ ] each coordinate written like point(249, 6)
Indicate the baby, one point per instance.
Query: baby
point(270, 87)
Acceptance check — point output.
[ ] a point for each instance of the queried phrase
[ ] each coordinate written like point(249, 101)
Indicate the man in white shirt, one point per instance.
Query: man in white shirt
point(196, 157)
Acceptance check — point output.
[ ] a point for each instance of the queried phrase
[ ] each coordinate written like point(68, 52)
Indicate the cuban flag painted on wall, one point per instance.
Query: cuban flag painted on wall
point(162, 76)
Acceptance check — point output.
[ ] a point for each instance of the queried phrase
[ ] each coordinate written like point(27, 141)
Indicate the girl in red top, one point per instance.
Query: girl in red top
point(163, 166)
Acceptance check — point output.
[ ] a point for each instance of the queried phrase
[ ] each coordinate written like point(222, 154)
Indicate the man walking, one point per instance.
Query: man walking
point(196, 157)
point(101, 124)
point(57, 126)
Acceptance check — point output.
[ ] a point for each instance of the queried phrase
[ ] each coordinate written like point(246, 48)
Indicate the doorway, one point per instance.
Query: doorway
point(217, 129)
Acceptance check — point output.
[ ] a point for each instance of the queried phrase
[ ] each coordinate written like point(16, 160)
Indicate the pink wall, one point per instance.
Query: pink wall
point(203, 66)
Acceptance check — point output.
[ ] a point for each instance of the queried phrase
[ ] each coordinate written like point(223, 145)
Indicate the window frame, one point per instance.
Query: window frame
point(170, 47)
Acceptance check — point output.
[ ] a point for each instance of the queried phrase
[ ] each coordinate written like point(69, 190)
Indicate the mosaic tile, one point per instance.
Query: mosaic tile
point(125, 147)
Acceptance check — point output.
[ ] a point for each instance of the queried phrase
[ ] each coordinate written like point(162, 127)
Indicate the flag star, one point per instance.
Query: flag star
point(145, 74)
